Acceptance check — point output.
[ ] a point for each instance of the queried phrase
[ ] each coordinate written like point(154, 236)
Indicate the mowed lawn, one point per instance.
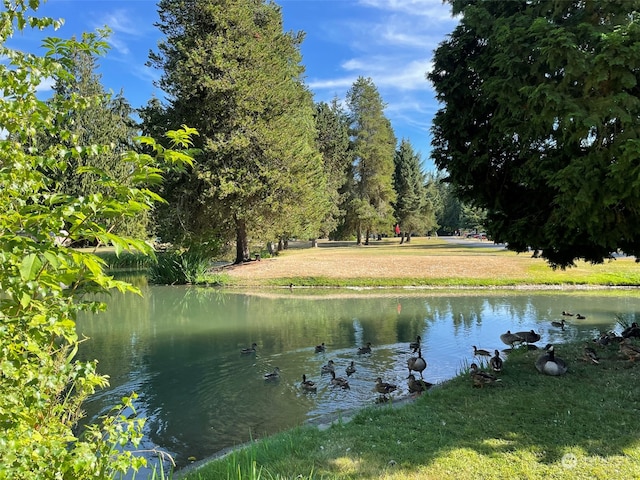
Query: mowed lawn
point(426, 262)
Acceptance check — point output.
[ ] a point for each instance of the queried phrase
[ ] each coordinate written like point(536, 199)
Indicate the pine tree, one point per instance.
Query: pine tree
point(373, 147)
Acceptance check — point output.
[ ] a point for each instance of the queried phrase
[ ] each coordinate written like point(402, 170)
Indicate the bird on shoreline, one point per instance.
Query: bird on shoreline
point(251, 349)
point(496, 361)
point(590, 355)
point(481, 378)
point(549, 364)
point(417, 364)
point(417, 386)
point(529, 337)
point(384, 387)
point(631, 351)
point(511, 339)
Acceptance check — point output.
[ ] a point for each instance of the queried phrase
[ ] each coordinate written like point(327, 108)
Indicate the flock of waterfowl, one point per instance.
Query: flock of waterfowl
point(547, 363)
point(415, 364)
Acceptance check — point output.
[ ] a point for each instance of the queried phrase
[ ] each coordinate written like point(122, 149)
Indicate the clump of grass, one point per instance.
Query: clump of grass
point(125, 260)
point(529, 425)
point(179, 267)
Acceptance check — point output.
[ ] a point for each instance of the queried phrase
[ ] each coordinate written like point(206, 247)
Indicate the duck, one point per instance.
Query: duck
point(549, 364)
point(590, 355)
point(559, 324)
point(365, 349)
point(248, 350)
point(580, 317)
point(417, 386)
point(567, 314)
point(480, 378)
point(631, 351)
point(414, 346)
point(339, 381)
point(480, 352)
point(384, 387)
point(529, 337)
point(272, 375)
point(631, 331)
point(308, 385)
point(417, 364)
point(320, 348)
point(351, 369)
point(603, 340)
point(496, 362)
point(511, 339)
point(328, 368)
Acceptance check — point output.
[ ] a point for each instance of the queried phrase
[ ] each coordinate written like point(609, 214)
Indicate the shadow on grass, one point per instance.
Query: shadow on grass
point(581, 425)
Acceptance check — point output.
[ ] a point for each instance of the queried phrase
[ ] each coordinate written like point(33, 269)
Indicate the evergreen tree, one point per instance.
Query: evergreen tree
point(409, 184)
point(332, 124)
point(103, 120)
point(232, 73)
point(541, 101)
point(373, 147)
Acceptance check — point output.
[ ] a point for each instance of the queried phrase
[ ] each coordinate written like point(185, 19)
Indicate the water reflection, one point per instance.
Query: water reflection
point(179, 349)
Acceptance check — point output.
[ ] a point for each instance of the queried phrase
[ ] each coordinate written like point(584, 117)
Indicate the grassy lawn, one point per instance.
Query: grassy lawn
point(582, 425)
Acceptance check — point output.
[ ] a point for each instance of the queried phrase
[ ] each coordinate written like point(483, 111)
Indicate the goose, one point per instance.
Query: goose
point(365, 349)
point(496, 361)
point(339, 381)
point(480, 378)
point(273, 375)
point(320, 348)
point(417, 386)
point(251, 349)
point(417, 364)
point(415, 345)
point(549, 364)
point(480, 352)
point(384, 387)
point(511, 338)
point(529, 337)
point(308, 385)
point(328, 368)
point(351, 369)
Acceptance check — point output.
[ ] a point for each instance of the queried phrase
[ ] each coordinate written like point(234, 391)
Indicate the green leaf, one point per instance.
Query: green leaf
point(29, 267)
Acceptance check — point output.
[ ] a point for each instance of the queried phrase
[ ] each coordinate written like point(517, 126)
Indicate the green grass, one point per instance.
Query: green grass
point(581, 425)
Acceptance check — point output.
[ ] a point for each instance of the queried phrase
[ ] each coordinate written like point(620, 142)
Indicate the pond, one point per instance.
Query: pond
point(179, 348)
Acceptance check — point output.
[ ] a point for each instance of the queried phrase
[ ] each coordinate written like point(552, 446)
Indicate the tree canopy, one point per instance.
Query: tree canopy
point(232, 73)
point(538, 124)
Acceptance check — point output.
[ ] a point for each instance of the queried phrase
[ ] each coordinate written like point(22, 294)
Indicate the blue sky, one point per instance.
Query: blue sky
point(390, 41)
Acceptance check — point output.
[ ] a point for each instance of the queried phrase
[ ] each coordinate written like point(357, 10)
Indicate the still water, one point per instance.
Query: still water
point(179, 349)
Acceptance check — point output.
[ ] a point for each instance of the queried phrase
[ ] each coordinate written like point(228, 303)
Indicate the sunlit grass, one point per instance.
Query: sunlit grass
point(582, 425)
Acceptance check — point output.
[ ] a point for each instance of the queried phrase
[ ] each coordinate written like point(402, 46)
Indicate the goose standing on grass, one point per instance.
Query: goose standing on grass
point(339, 381)
point(414, 346)
point(417, 386)
point(417, 364)
point(308, 385)
point(328, 368)
point(480, 378)
point(511, 338)
point(549, 364)
point(496, 362)
point(275, 375)
point(365, 349)
point(351, 369)
point(320, 348)
point(251, 349)
point(480, 352)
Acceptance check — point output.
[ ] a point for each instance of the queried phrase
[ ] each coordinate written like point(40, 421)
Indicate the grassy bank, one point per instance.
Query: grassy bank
point(581, 425)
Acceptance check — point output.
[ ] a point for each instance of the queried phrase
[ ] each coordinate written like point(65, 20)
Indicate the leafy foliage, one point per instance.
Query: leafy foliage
point(46, 284)
point(539, 123)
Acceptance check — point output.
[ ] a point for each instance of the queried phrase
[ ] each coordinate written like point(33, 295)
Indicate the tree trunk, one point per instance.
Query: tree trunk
point(401, 238)
point(280, 245)
point(358, 235)
point(270, 248)
point(408, 237)
point(242, 244)
point(366, 242)
point(314, 242)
